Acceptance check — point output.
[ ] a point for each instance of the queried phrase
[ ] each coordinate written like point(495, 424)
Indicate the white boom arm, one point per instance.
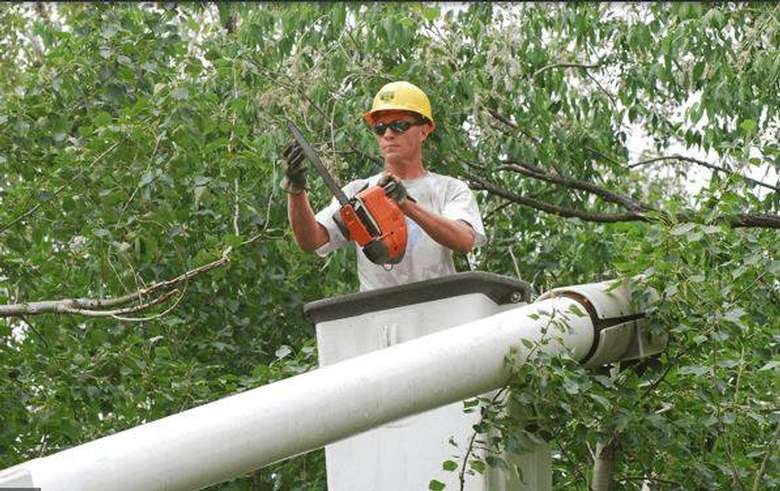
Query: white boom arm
point(235, 435)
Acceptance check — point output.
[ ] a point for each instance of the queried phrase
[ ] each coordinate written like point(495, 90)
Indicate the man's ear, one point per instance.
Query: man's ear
point(427, 130)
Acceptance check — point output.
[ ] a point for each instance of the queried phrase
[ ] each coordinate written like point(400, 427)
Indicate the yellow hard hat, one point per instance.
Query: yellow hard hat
point(401, 96)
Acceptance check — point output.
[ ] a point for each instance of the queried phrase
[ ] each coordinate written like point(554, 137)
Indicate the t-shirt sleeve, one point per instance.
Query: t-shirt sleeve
point(462, 205)
point(325, 218)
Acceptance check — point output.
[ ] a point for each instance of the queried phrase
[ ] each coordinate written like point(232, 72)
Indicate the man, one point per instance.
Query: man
point(441, 217)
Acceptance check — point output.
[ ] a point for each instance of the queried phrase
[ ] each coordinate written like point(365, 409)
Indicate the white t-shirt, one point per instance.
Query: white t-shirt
point(424, 258)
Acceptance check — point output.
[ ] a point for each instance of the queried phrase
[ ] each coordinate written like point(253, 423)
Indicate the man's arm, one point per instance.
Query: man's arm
point(309, 233)
point(453, 234)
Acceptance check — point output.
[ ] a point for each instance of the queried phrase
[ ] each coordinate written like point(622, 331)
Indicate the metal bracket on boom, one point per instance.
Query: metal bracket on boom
point(620, 332)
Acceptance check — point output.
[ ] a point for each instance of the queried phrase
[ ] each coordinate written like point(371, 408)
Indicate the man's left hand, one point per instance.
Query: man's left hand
point(394, 189)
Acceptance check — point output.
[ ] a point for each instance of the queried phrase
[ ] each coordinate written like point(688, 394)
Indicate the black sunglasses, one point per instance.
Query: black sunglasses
point(398, 127)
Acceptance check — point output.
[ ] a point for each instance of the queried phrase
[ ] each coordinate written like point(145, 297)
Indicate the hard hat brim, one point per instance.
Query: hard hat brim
point(369, 116)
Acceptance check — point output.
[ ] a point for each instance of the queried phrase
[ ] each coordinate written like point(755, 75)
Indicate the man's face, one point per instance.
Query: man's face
point(401, 147)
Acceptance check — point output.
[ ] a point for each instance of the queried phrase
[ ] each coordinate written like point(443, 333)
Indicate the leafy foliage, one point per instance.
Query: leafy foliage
point(141, 141)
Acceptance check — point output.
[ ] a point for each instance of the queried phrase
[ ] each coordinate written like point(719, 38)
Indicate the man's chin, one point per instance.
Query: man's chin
point(393, 158)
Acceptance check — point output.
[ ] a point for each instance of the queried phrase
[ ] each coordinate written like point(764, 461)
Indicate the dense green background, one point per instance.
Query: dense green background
point(131, 134)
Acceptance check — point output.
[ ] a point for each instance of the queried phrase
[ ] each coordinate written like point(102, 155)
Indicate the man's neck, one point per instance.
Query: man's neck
point(406, 170)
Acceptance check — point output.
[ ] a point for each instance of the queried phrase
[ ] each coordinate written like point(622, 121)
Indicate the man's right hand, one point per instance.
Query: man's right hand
point(294, 181)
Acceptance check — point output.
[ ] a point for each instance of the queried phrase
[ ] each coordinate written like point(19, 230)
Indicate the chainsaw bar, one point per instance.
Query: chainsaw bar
point(315, 160)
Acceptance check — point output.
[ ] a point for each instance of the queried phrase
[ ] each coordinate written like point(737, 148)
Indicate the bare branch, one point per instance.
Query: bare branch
point(96, 307)
point(704, 164)
point(757, 221)
point(555, 209)
point(736, 221)
point(539, 173)
point(71, 307)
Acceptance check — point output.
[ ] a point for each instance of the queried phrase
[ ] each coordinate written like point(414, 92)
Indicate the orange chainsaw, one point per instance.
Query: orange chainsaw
point(370, 218)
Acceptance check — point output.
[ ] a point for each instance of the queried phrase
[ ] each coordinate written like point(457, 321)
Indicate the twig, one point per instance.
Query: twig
point(138, 186)
point(156, 316)
point(573, 462)
point(235, 211)
point(117, 312)
point(495, 210)
point(602, 155)
point(470, 448)
point(610, 96)
point(36, 331)
point(704, 164)
point(514, 262)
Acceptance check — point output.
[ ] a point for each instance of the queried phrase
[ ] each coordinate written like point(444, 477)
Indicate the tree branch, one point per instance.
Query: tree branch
point(704, 164)
point(541, 174)
point(757, 221)
point(97, 307)
point(741, 220)
point(102, 307)
point(555, 209)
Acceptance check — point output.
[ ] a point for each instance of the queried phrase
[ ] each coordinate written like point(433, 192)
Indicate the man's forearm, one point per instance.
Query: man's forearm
point(309, 234)
point(453, 234)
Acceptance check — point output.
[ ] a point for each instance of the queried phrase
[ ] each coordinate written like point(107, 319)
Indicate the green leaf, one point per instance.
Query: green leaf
point(477, 465)
point(431, 12)
point(233, 240)
point(748, 126)
point(601, 400)
point(574, 309)
point(435, 485)
point(449, 465)
point(470, 403)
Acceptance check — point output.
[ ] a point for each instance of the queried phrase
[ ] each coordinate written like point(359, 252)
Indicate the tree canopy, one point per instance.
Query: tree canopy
point(146, 265)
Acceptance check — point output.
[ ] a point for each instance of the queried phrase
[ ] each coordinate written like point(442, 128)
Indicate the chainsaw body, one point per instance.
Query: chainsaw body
point(376, 223)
